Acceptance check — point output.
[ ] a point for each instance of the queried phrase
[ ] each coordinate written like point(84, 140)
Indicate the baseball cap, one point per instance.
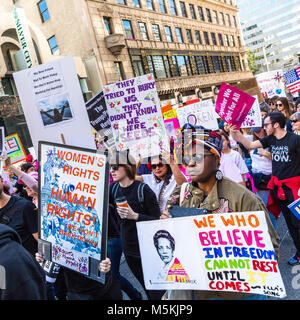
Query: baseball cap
point(257, 129)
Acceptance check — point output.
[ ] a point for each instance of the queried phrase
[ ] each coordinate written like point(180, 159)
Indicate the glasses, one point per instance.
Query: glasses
point(279, 105)
point(154, 166)
point(294, 121)
point(115, 167)
point(194, 158)
point(266, 124)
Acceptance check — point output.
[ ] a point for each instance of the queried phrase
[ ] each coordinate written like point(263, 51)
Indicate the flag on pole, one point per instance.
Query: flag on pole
point(292, 78)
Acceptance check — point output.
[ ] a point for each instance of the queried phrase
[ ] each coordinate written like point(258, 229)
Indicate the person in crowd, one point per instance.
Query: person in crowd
point(261, 168)
point(164, 178)
point(264, 109)
point(232, 164)
point(24, 278)
point(295, 121)
point(140, 205)
point(243, 151)
point(284, 107)
point(210, 191)
point(297, 105)
point(233, 144)
point(272, 104)
point(284, 185)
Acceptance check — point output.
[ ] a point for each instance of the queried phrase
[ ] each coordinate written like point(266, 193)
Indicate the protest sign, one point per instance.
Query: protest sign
point(135, 115)
point(172, 126)
point(53, 104)
point(233, 105)
point(14, 148)
point(219, 252)
point(253, 118)
point(270, 83)
point(295, 208)
point(97, 113)
point(170, 114)
point(292, 78)
point(73, 202)
point(198, 114)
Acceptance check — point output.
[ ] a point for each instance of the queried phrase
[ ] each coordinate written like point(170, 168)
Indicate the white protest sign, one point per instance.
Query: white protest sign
point(270, 83)
point(53, 104)
point(200, 113)
point(253, 118)
point(135, 114)
point(219, 252)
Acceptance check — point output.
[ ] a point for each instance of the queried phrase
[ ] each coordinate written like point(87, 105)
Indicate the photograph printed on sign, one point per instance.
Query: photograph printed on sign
point(55, 109)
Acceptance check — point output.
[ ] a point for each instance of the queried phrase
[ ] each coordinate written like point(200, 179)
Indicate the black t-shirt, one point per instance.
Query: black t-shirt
point(285, 155)
point(149, 210)
point(24, 221)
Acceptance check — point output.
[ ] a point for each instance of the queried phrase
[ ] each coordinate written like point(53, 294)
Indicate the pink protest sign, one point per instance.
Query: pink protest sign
point(172, 126)
point(233, 105)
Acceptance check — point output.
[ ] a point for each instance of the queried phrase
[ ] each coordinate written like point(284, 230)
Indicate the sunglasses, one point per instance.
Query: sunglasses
point(294, 121)
point(279, 105)
point(154, 166)
point(266, 124)
point(194, 158)
point(115, 167)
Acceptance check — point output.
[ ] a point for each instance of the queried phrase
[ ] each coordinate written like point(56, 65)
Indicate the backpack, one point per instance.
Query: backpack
point(116, 186)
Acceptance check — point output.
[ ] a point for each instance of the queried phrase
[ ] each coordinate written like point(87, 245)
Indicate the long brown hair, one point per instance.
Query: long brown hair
point(287, 107)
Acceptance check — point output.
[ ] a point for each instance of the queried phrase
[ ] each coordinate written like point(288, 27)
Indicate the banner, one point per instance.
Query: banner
point(97, 113)
point(14, 148)
point(135, 115)
point(253, 118)
point(233, 105)
point(53, 104)
point(219, 252)
point(73, 202)
point(270, 83)
point(198, 114)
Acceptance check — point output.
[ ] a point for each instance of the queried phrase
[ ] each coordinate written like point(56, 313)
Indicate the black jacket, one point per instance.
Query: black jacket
point(24, 279)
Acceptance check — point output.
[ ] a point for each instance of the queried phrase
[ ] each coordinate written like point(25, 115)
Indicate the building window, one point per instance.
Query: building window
point(156, 32)
point(107, 22)
point(193, 13)
point(201, 15)
point(226, 40)
point(162, 6)
point(234, 21)
point(53, 45)
point(150, 4)
point(198, 37)
point(208, 15)
point(232, 41)
point(200, 66)
point(206, 39)
point(168, 34)
point(182, 66)
point(119, 70)
point(239, 41)
point(221, 43)
point(228, 22)
point(213, 38)
point(136, 3)
point(173, 7)
point(137, 66)
point(216, 64)
point(143, 31)
point(44, 10)
point(128, 29)
point(179, 35)
point(189, 35)
point(222, 22)
point(121, 2)
point(183, 9)
point(215, 17)
point(159, 66)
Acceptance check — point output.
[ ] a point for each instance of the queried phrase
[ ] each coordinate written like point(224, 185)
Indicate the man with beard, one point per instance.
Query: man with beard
point(210, 191)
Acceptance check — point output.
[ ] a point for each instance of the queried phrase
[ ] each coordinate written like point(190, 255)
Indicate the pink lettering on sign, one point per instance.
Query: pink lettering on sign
point(233, 105)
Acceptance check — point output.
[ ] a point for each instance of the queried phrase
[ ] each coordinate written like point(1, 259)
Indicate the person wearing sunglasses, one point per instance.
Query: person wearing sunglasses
point(295, 121)
point(284, 185)
point(209, 190)
point(164, 178)
point(283, 106)
point(272, 104)
point(140, 204)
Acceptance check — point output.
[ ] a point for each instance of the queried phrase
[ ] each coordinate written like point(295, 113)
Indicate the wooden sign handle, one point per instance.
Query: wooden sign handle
point(62, 138)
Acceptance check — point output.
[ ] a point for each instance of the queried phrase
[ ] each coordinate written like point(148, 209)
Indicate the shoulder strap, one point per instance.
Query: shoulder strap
point(10, 211)
point(182, 192)
point(115, 189)
point(141, 194)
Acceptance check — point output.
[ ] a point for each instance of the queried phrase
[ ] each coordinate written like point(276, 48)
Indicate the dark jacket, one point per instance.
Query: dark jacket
point(24, 279)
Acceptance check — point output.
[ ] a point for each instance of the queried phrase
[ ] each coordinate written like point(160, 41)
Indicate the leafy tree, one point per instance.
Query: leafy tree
point(251, 61)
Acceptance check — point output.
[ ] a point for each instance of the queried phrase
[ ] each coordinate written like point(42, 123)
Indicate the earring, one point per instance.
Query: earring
point(219, 175)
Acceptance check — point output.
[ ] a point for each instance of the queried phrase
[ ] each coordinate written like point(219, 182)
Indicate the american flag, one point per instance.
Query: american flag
point(292, 78)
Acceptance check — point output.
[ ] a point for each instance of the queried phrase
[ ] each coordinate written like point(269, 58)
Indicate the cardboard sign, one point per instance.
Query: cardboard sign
point(135, 115)
point(295, 208)
point(97, 113)
point(219, 252)
point(233, 105)
point(198, 114)
point(270, 83)
point(253, 118)
point(53, 104)
point(73, 202)
point(14, 148)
